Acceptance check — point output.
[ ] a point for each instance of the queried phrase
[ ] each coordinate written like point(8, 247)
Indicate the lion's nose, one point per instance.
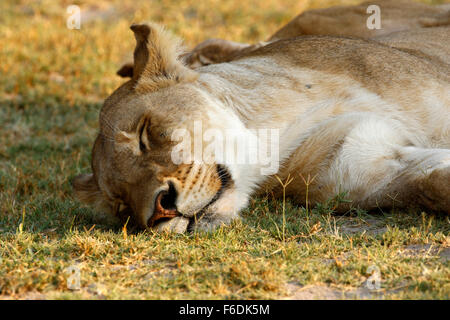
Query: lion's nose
point(165, 207)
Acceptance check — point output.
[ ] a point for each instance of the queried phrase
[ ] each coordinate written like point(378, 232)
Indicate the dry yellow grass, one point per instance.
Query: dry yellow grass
point(52, 86)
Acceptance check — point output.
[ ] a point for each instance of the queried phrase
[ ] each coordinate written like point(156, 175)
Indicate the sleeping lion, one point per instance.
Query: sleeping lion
point(360, 117)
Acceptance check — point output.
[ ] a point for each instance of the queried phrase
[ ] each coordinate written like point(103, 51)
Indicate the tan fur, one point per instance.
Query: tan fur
point(431, 43)
point(359, 116)
point(350, 21)
point(156, 59)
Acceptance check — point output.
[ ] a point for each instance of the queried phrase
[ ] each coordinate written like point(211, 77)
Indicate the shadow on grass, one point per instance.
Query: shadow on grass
point(302, 224)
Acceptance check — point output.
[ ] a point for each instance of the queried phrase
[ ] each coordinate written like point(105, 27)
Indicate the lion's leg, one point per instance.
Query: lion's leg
point(378, 167)
point(424, 180)
point(222, 212)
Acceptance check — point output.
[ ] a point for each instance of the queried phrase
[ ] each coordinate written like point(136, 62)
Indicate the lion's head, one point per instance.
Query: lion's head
point(132, 159)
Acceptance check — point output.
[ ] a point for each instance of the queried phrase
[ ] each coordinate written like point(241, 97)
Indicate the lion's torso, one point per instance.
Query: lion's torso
point(313, 88)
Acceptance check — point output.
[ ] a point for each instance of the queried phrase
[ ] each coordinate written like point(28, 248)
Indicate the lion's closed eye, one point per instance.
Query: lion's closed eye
point(144, 134)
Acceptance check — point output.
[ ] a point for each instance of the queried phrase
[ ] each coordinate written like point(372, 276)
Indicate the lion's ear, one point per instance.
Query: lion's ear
point(86, 189)
point(156, 61)
point(126, 71)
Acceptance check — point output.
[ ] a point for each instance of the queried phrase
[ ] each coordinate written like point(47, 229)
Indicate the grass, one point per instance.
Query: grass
point(54, 82)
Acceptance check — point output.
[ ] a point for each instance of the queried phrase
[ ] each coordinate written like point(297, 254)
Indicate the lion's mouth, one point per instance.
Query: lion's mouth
point(165, 201)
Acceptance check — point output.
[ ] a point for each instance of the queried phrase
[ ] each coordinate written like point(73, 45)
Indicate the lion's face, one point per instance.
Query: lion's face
point(132, 160)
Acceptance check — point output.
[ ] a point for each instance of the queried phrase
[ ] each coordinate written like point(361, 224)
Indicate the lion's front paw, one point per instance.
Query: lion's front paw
point(211, 222)
point(183, 224)
point(175, 225)
point(435, 190)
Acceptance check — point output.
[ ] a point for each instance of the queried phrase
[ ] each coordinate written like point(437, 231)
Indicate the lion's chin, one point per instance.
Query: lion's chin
point(175, 225)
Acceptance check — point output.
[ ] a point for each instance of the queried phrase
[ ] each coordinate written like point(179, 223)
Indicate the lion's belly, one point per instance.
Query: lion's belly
point(322, 133)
